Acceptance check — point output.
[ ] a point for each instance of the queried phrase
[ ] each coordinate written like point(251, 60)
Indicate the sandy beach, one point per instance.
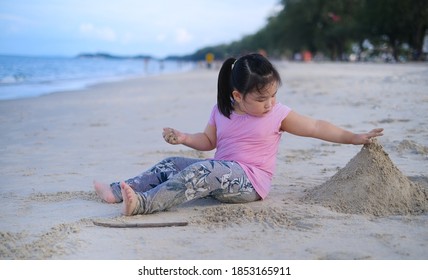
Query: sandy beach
point(54, 146)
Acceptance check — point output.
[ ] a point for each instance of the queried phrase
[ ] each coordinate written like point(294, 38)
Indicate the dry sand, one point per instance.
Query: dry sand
point(371, 184)
point(328, 201)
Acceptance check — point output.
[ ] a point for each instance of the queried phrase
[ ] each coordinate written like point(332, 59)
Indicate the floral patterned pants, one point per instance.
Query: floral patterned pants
point(176, 180)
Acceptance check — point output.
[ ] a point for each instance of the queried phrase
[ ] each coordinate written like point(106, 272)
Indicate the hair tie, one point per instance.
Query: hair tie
point(233, 64)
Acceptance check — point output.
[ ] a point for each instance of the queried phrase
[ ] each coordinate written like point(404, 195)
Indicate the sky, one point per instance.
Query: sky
point(126, 27)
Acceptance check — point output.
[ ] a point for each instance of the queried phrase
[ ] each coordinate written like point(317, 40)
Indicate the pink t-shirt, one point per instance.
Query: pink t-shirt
point(252, 142)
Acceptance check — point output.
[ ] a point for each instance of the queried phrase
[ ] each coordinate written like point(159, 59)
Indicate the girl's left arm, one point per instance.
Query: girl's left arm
point(305, 126)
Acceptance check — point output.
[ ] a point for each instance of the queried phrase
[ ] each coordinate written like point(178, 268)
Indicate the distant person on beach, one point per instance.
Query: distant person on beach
point(245, 127)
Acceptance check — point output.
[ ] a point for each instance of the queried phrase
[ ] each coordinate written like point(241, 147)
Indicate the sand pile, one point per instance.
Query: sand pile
point(413, 147)
point(370, 183)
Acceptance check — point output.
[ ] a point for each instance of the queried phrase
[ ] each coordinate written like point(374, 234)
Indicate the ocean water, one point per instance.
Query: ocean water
point(26, 77)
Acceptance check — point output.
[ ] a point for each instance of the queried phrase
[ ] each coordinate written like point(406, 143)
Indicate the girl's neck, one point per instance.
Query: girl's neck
point(237, 110)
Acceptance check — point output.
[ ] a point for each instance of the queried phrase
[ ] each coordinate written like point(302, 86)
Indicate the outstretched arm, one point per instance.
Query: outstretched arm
point(203, 141)
point(305, 126)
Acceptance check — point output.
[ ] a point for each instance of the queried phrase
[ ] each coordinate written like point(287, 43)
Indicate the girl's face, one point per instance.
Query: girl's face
point(256, 103)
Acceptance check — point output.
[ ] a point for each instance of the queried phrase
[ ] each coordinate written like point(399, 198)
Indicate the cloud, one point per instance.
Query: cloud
point(13, 18)
point(161, 37)
point(102, 33)
point(182, 36)
point(12, 23)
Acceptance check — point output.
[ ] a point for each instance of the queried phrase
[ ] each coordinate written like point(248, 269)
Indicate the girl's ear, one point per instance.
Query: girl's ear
point(237, 96)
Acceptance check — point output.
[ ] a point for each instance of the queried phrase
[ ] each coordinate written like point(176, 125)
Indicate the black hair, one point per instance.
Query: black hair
point(246, 74)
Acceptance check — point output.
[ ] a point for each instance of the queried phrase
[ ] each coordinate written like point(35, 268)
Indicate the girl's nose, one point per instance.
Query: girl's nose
point(270, 103)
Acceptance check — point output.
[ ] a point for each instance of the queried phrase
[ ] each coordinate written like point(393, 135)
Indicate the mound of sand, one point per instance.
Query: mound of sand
point(371, 184)
point(413, 147)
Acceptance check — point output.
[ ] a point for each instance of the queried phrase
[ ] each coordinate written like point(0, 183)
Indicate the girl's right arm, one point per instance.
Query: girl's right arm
point(203, 141)
point(305, 126)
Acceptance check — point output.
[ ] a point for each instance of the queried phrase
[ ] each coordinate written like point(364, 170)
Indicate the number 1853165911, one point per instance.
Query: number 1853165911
point(254, 270)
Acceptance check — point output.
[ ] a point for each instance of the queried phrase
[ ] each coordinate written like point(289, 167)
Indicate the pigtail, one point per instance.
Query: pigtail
point(225, 88)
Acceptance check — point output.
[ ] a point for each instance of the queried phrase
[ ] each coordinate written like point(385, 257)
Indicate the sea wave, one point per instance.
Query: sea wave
point(23, 77)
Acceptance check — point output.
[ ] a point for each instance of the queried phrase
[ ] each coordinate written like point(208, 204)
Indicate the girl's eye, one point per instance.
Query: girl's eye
point(265, 99)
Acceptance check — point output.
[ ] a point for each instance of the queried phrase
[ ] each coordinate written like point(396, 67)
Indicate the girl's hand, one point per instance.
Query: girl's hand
point(366, 138)
point(173, 136)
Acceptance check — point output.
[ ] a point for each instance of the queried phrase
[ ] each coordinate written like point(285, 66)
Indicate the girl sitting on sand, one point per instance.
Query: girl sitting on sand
point(245, 127)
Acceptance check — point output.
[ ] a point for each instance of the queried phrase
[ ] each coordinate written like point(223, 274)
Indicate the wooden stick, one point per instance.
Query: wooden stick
point(139, 225)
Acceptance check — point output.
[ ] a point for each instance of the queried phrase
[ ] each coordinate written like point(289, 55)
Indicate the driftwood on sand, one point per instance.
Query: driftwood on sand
point(122, 224)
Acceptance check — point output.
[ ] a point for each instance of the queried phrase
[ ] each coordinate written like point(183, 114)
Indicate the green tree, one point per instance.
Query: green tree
point(331, 27)
point(418, 25)
point(396, 22)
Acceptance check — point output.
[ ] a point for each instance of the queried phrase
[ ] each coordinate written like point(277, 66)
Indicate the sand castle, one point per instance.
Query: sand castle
point(371, 184)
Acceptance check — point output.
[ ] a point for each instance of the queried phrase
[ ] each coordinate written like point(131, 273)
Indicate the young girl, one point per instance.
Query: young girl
point(245, 127)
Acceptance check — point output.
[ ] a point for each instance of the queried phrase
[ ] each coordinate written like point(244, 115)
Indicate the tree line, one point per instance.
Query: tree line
point(335, 29)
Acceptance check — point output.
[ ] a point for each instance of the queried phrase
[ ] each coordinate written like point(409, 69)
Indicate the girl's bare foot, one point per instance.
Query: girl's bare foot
point(104, 192)
point(130, 200)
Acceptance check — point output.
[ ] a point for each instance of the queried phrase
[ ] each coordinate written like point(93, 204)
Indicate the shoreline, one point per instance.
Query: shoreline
point(53, 146)
point(102, 81)
point(27, 84)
